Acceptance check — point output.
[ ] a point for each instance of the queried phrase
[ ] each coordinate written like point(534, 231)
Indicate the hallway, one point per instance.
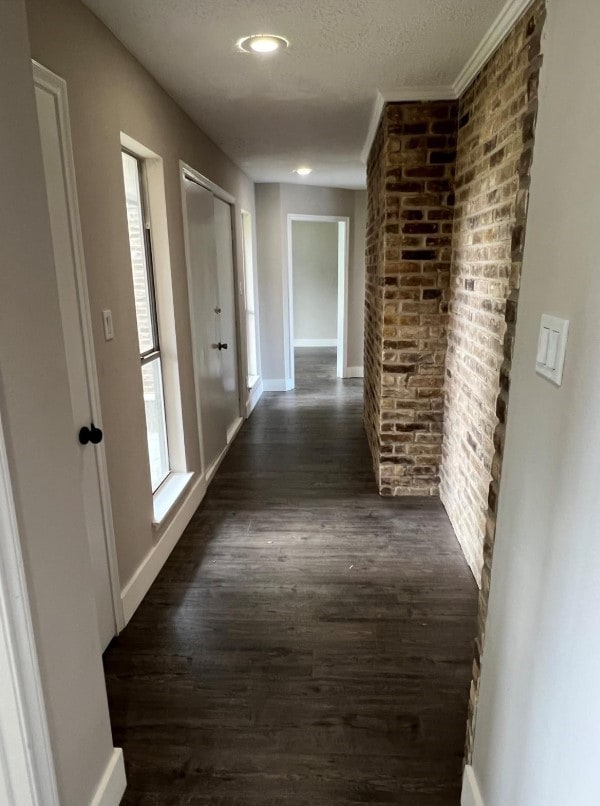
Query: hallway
point(307, 642)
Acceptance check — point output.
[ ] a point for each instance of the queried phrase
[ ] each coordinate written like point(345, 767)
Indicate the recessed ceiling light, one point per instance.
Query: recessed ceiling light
point(262, 43)
point(304, 170)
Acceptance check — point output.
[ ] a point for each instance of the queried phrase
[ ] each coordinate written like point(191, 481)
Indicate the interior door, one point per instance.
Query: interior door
point(227, 317)
point(204, 311)
point(73, 299)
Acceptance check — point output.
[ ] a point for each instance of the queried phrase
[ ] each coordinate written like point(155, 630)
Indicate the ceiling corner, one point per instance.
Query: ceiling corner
point(496, 33)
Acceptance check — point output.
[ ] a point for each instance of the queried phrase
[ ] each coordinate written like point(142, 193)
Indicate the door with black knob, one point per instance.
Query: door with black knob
point(213, 319)
point(75, 315)
point(227, 317)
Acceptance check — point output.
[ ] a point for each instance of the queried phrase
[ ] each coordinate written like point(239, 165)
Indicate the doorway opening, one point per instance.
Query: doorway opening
point(317, 290)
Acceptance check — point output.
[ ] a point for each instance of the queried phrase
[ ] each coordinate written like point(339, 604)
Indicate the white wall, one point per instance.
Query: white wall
point(273, 204)
point(109, 93)
point(538, 724)
point(36, 414)
point(315, 275)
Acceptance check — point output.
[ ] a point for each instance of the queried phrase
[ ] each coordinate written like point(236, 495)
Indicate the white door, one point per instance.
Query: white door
point(213, 320)
point(227, 318)
point(204, 311)
point(58, 169)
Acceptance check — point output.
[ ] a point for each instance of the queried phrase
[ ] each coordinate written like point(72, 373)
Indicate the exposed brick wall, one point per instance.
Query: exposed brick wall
point(494, 154)
point(411, 286)
point(410, 183)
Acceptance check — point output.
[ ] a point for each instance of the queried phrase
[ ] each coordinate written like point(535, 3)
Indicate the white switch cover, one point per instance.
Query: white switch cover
point(552, 346)
point(107, 319)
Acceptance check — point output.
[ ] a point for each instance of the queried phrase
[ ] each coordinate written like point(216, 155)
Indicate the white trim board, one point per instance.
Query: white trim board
point(471, 794)
point(187, 172)
point(278, 384)
point(149, 568)
point(254, 396)
point(57, 87)
point(27, 774)
point(508, 16)
point(315, 342)
point(494, 36)
point(112, 785)
point(343, 269)
point(356, 372)
point(378, 106)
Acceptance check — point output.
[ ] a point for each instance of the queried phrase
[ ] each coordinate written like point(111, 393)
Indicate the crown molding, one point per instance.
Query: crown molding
point(443, 92)
point(494, 36)
point(440, 92)
point(501, 26)
point(373, 124)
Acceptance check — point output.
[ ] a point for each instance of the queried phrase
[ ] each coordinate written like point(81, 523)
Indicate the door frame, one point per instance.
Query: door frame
point(186, 172)
point(343, 253)
point(26, 761)
point(50, 82)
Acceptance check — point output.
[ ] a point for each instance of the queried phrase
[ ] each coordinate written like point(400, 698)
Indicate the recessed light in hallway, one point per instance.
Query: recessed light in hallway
point(307, 641)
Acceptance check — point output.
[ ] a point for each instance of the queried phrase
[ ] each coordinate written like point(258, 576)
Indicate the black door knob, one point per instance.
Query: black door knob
point(221, 346)
point(91, 434)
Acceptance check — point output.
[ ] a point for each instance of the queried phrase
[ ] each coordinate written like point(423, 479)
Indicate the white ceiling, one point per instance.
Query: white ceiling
point(312, 103)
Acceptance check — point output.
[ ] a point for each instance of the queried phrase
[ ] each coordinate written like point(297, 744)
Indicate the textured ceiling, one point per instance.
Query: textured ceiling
point(312, 103)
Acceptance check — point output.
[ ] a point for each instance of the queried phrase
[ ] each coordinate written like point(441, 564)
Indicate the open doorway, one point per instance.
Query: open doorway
point(317, 291)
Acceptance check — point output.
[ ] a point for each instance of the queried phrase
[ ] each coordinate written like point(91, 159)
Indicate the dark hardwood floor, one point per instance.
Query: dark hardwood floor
point(307, 642)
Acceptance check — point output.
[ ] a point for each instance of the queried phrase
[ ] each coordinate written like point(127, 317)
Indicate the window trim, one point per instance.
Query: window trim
point(154, 353)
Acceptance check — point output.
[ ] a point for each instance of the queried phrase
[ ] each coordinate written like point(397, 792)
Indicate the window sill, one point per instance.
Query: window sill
point(167, 495)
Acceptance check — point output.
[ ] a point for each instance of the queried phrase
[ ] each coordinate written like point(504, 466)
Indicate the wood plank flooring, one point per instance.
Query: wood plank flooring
point(307, 642)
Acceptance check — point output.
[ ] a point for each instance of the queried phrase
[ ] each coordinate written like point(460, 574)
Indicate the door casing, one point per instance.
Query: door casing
point(343, 223)
point(56, 87)
point(187, 173)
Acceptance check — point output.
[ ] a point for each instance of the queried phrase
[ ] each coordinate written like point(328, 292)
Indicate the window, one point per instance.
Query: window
point(140, 244)
point(250, 297)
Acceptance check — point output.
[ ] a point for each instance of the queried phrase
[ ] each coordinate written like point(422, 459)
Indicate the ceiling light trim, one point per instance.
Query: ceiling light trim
point(245, 44)
point(497, 32)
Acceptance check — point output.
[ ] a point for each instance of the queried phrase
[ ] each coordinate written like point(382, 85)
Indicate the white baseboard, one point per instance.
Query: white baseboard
point(233, 429)
point(278, 384)
point(471, 794)
point(112, 785)
point(355, 372)
point(315, 342)
point(254, 396)
point(232, 433)
point(138, 586)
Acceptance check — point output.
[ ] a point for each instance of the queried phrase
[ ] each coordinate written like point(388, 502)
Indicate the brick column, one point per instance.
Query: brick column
point(409, 232)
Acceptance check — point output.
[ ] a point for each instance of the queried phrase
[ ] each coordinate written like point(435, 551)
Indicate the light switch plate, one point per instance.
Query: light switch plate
point(551, 349)
point(107, 320)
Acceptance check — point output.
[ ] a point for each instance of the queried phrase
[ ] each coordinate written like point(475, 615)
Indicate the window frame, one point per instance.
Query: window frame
point(153, 353)
point(250, 312)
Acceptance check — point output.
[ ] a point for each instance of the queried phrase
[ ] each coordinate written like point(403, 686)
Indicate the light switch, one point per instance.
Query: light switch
point(543, 345)
point(107, 320)
point(552, 346)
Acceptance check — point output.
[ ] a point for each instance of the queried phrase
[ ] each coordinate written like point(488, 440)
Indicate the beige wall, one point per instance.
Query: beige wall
point(109, 92)
point(43, 461)
point(269, 252)
point(273, 205)
point(537, 730)
point(315, 279)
